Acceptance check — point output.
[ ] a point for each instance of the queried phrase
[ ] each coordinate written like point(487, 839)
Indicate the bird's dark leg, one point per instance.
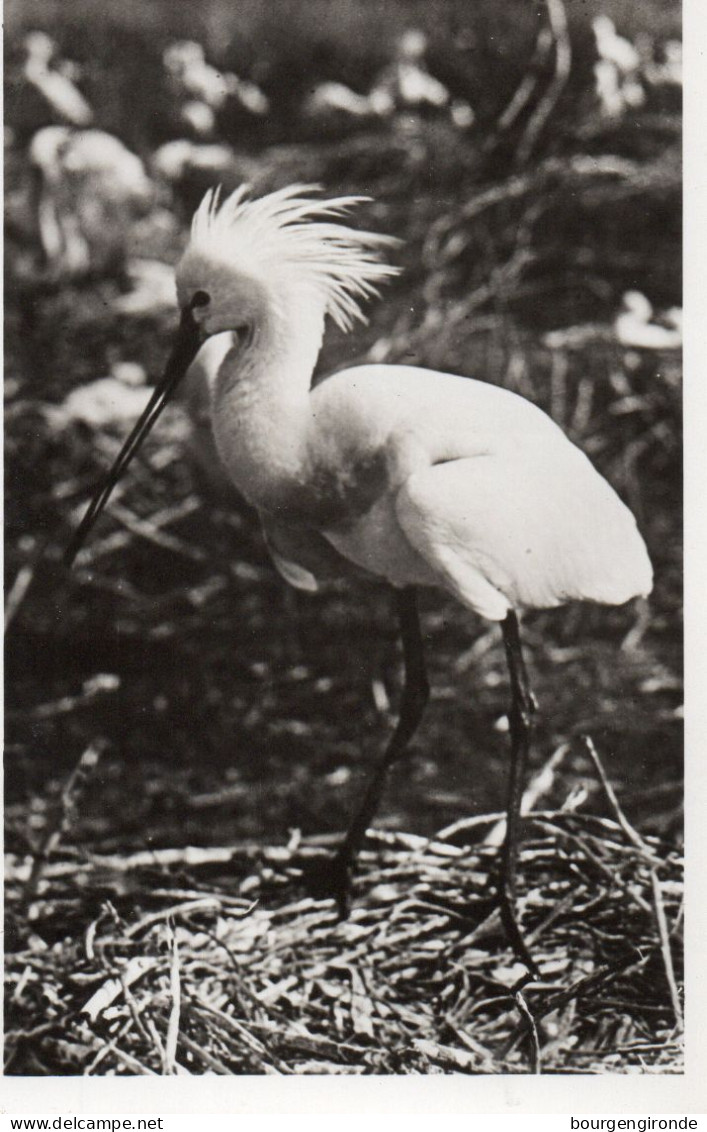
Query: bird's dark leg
point(415, 695)
point(521, 721)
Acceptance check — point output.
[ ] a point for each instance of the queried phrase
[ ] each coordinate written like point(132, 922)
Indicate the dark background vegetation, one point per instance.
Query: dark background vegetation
point(242, 710)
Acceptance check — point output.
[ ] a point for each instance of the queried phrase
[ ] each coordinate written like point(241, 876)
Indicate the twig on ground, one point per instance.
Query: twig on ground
point(59, 818)
point(540, 784)
point(269, 991)
point(175, 986)
point(535, 1059)
point(148, 529)
point(448, 1057)
point(106, 994)
point(665, 948)
point(204, 904)
point(633, 836)
point(205, 1056)
point(612, 877)
point(257, 1049)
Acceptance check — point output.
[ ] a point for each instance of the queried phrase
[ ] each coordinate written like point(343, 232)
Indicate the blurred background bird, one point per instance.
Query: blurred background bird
point(636, 325)
point(201, 90)
point(44, 88)
point(90, 189)
point(617, 72)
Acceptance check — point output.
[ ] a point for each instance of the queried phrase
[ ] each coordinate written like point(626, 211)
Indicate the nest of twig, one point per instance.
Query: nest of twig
point(214, 960)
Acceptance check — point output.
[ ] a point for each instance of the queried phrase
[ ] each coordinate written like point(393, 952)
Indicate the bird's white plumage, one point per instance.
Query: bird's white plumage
point(173, 159)
point(634, 325)
point(286, 237)
point(490, 524)
point(487, 491)
point(613, 47)
point(336, 98)
point(414, 476)
point(48, 74)
point(90, 188)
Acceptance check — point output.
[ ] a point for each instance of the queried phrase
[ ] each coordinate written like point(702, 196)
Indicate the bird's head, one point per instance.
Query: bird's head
point(604, 28)
point(637, 305)
point(280, 264)
point(215, 295)
point(182, 56)
point(412, 44)
point(39, 47)
point(282, 257)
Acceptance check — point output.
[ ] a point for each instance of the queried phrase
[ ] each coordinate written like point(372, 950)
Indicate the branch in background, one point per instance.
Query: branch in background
point(522, 184)
point(529, 82)
point(563, 64)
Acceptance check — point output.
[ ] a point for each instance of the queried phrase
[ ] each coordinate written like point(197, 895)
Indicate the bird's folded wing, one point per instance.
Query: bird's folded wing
point(530, 527)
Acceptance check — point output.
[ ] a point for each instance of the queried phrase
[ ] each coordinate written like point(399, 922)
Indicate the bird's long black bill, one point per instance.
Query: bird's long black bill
point(184, 351)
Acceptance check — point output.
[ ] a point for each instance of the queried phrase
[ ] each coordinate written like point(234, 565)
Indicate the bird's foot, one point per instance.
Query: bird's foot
point(330, 878)
point(513, 932)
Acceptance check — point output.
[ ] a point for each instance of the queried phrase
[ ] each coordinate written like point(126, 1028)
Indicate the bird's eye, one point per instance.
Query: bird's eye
point(200, 299)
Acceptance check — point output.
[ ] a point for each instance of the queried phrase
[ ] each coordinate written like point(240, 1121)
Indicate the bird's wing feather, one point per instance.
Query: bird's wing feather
point(302, 556)
point(518, 529)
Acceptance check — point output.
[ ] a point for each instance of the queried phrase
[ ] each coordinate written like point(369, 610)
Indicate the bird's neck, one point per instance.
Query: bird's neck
point(260, 408)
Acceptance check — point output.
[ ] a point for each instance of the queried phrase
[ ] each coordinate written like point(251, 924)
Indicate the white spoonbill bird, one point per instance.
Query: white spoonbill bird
point(613, 47)
point(407, 79)
point(416, 477)
point(634, 325)
point(89, 189)
point(336, 100)
point(53, 79)
point(205, 87)
point(617, 71)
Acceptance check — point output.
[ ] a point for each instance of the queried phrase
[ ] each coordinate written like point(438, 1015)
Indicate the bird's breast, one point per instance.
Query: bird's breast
point(333, 494)
point(375, 542)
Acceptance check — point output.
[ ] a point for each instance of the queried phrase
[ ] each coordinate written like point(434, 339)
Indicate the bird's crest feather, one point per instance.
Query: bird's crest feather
point(290, 235)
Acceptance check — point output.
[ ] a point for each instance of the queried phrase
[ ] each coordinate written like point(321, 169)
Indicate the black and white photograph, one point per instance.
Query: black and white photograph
point(343, 539)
